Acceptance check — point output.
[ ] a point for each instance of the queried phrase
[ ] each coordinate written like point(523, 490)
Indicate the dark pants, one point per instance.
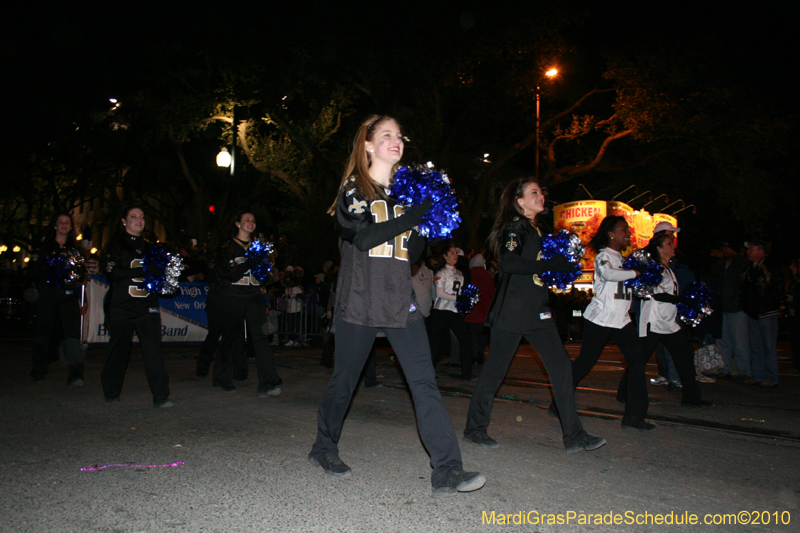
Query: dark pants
point(502, 347)
point(438, 324)
point(49, 312)
point(148, 328)
point(234, 312)
point(411, 347)
point(682, 354)
point(211, 342)
point(477, 332)
point(634, 392)
point(370, 370)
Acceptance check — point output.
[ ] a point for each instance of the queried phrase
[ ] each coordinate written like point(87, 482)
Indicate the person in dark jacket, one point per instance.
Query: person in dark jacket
point(378, 243)
point(734, 343)
point(130, 307)
point(57, 305)
point(238, 299)
point(762, 289)
point(520, 309)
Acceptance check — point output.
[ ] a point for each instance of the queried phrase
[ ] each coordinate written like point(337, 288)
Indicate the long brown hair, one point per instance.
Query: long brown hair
point(509, 210)
point(360, 160)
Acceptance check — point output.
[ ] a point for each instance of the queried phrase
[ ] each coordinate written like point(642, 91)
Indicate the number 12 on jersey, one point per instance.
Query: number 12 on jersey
point(398, 250)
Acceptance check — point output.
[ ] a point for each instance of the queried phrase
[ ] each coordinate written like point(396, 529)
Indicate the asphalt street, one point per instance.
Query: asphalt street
point(219, 462)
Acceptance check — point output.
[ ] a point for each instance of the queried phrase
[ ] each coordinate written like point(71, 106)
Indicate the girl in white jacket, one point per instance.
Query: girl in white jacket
point(607, 318)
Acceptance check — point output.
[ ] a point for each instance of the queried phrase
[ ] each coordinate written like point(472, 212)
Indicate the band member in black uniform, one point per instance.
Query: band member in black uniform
point(237, 298)
point(445, 316)
point(378, 244)
point(56, 305)
point(129, 307)
point(520, 309)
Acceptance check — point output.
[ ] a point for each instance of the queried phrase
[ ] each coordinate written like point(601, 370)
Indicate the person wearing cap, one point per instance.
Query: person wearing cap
point(665, 227)
point(734, 343)
point(762, 287)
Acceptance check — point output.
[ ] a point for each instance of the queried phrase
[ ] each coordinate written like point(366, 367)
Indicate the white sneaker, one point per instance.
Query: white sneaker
point(288, 344)
point(660, 380)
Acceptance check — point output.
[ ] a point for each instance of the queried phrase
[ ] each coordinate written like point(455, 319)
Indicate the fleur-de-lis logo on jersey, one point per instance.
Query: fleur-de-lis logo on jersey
point(511, 244)
point(357, 207)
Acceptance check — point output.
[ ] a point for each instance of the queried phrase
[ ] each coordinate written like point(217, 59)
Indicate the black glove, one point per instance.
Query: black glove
point(417, 212)
point(668, 298)
point(558, 263)
point(463, 299)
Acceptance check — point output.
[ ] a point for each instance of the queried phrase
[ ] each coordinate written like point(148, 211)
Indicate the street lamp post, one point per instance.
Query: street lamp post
point(550, 74)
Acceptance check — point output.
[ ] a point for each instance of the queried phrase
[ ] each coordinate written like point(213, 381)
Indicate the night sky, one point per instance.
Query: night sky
point(62, 64)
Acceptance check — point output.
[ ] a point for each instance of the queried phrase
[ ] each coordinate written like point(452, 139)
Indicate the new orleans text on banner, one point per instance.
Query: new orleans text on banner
point(183, 317)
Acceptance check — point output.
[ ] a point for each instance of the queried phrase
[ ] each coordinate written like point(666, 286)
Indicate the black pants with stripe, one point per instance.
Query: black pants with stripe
point(410, 345)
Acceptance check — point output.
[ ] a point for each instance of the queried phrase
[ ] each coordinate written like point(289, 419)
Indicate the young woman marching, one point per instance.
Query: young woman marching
point(378, 244)
point(606, 317)
point(658, 322)
point(129, 307)
point(445, 316)
point(520, 309)
point(57, 304)
point(238, 298)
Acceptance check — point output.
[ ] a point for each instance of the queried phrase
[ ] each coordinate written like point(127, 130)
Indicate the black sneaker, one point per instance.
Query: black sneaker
point(480, 438)
point(373, 386)
point(330, 463)
point(587, 442)
point(163, 404)
point(644, 427)
point(457, 481)
point(110, 400)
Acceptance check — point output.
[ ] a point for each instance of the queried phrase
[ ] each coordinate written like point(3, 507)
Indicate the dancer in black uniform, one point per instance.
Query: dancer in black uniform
point(378, 244)
point(520, 309)
point(54, 305)
point(129, 307)
point(238, 298)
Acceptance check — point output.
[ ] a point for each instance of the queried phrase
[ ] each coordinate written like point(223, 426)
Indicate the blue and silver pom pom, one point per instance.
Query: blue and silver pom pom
point(474, 295)
point(413, 185)
point(168, 267)
point(646, 282)
point(64, 269)
point(698, 308)
point(569, 245)
point(259, 252)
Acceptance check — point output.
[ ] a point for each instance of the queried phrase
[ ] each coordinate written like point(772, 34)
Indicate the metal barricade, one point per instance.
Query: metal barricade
point(302, 327)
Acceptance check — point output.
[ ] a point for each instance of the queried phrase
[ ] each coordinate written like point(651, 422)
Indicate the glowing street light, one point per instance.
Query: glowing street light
point(224, 158)
point(550, 74)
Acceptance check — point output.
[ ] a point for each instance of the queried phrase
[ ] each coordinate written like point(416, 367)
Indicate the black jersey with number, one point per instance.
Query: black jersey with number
point(233, 271)
point(374, 284)
point(123, 266)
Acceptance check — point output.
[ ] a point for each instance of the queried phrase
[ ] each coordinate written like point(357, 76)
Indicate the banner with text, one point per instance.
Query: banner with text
point(183, 317)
